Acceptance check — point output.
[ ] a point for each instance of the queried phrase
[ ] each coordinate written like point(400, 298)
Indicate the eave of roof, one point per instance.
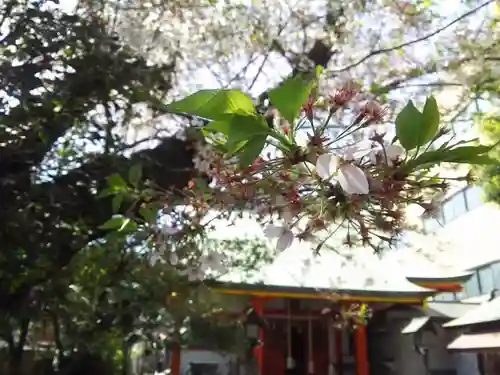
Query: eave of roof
point(487, 312)
point(448, 279)
point(476, 342)
point(279, 291)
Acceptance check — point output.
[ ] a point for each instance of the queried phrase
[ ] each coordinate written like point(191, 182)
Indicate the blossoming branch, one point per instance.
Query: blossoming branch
point(304, 190)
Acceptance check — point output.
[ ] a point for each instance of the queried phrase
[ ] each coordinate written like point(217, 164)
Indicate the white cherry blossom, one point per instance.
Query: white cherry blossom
point(327, 165)
point(392, 152)
point(282, 234)
point(351, 178)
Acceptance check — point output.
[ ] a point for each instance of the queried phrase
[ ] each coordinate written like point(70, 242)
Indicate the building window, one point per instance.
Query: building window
point(445, 297)
point(454, 207)
point(495, 268)
point(474, 197)
point(471, 287)
point(486, 279)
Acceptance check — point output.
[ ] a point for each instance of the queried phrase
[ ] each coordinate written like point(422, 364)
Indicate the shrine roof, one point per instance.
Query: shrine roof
point(299, 270)
point(338, 268)
point(487, 312)
point(445, 309)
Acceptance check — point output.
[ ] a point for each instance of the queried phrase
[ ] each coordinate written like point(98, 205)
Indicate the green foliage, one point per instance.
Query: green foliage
point(239, 128)
point(245, 132)
point(414, 128)
point(459, 155)
point(292, 94)
point(490, 174)
point(214, 104)
point(135, 174)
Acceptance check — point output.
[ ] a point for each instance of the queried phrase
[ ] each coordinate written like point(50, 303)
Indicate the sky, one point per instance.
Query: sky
point(472, 231)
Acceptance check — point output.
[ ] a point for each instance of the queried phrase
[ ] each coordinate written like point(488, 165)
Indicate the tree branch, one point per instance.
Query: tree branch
point(408, 43)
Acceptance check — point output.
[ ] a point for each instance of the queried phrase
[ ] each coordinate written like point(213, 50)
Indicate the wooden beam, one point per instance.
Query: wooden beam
point(322, 295)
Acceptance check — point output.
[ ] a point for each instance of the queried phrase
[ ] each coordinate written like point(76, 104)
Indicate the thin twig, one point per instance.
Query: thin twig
point(410, 42)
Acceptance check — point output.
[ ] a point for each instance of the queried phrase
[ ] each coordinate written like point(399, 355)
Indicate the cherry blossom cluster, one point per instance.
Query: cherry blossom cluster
point(330, 181)
point(178, 242)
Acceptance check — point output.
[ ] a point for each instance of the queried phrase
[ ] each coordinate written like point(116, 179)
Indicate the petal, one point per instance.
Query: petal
point(349, 153)
point(285, 240)
point(272, 231)
point(326, 165)
point(394, 151)
point(353, 180)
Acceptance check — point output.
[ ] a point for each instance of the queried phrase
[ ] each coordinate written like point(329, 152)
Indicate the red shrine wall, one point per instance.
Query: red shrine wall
point(304, 314)
point(275, 346)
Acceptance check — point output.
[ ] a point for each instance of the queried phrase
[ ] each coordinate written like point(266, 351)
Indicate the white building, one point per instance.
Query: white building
point(472, 227)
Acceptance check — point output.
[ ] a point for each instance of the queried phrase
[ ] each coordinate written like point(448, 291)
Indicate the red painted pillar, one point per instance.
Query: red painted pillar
point(175, 359)
point(338, 352)
point(258, 306)
point(360, 344)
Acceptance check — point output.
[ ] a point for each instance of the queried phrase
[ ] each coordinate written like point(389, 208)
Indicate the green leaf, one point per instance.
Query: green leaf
point(238, 129)
point(291, 94)
point(459, 155)
point(251, 150)
point(135, 174)
point(246, 127)
point(431, 118)
point(127, 224)
point(414, 128)
point(218, 126)
point(149, 213)
point(117, 201)
point(116, 183)
point(115, 222)
point(214, 104)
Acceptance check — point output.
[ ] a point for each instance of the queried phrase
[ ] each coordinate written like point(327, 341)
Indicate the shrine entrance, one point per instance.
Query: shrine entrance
point(306, 343)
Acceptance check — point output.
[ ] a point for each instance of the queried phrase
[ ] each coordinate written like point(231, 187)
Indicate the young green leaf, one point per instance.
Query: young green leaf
point(115, 222)
point(116, 183)
point(149, 213)
point(415, 128)
point(431, 117)
point(117, 201)
point(407, 125)
point(246, 127)
point(237, 129)
point(221, 126)
point(291, 94)
point(459, 155)
point(135, 174)
point(251, 150)
point(214, 104)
